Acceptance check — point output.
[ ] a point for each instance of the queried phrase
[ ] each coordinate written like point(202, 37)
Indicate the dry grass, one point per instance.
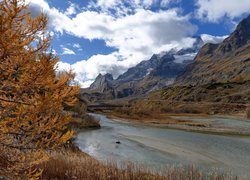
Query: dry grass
point(79, 166)
point(84, 121)
point(148, 108)
point(248, 112)
point(76, 165)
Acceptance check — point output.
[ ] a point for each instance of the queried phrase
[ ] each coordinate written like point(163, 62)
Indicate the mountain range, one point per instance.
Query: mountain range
point(159, 71)
point(201, 64)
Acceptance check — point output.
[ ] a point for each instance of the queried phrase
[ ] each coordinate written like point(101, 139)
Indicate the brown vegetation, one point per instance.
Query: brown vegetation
point(223, 92)
point(178, 115)
point(147, 108)
point(32, 95)
point(75, 165)
point(80, 119)
point(219, 98)
point(84, 121)
point(248, 112)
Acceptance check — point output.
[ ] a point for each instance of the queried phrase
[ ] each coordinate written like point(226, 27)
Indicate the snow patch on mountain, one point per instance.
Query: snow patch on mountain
point(185, 57)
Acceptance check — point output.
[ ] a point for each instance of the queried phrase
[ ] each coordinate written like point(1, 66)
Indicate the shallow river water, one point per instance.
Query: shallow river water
point(158, 147)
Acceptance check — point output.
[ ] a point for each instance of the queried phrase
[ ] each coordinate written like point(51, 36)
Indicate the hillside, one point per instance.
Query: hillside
point(228, 61)
point(217, 82)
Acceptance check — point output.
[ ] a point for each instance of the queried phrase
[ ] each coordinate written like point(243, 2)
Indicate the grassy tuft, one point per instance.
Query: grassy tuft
point(76, 165)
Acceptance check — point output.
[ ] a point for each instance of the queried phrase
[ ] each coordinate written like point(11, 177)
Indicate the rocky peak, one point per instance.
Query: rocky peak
point(207, 50)
point(166, 67)
point(165, 64)
point(140, 70)
point(242, 32)
point(237, 39)
point(102, 83)
point(108, 77)
point(198, 43)
point(194, 49)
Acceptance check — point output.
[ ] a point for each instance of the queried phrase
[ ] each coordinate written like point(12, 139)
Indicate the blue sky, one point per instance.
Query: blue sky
point(109, 36)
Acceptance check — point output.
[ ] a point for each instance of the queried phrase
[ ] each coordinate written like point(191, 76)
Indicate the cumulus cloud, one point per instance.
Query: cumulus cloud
point(212, 39)
point(116, 4)
point(76, 45)
point(67, 51)
point(122, 8)
point(107, 3)
point(215, 10)
point(56, 18)
point(165, 2)
point(144, 32)
point(87, 70)
point(136, 35)
point(71, 10)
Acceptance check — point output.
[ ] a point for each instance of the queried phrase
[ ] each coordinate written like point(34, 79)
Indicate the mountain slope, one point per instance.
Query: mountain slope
point(227, 61)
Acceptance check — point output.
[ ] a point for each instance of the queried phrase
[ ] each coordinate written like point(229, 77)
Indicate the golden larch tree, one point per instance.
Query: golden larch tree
point(32, 95)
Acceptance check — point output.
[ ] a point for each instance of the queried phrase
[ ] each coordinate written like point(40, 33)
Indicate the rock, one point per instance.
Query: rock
point(102, 83)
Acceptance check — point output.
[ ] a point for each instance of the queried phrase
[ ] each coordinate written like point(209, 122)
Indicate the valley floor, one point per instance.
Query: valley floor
point(216, 124)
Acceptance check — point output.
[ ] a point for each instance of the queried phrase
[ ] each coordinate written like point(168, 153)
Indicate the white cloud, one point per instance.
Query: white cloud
point(144, 32)
point(185, 57)
point(67, 51)
point(76, 45)
point(212, 39)
point(165, 2)
point(215, 10)
point(87, 70)
point(121, 8)
point(107, 3)
point(136, 35)
point(147, 3)
point(71, 10)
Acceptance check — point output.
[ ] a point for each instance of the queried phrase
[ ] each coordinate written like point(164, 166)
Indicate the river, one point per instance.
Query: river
point(158, 147)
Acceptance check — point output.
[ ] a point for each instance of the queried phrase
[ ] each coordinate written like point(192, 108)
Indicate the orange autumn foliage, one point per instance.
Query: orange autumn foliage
point(32, 95)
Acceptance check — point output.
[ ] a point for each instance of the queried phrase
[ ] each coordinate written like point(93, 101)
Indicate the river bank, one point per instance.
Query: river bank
point(70, 162)
point(157, 148)
point(204, 123)
point(84, 163)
